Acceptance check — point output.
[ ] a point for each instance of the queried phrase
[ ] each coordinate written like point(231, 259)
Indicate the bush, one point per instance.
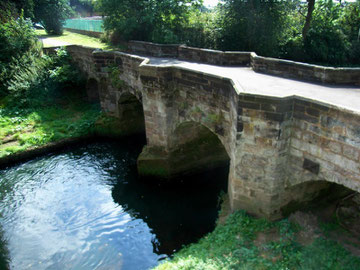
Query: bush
point(19, 48)
point(326, 41)
point(52, 15)
point(253, 25)
point(16, 38)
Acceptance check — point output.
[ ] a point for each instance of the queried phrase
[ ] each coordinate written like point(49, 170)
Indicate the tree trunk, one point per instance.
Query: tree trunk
point(310, 9)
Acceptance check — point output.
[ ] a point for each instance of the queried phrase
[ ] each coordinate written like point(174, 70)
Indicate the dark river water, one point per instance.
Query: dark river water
point(85, 208)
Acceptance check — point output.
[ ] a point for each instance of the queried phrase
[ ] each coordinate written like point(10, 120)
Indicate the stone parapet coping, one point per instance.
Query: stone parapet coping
point(268, 65)
point(242, 79)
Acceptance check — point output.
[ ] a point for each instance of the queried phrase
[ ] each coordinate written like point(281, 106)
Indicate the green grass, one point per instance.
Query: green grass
point(70, 38)
point(21, 129)
point(232, 246)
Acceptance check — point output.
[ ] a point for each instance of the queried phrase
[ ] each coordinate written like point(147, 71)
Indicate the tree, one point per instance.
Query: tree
point(252, 25)
point(52, 14)
point(83, 7)
point(148, 20)
point(310, 9)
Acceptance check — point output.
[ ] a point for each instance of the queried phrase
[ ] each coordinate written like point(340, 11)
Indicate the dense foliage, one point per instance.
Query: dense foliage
point(84, 8)
point(50, 13)
point(38, 103)
point(321, 31)
point(253, 25)
point(149, 20)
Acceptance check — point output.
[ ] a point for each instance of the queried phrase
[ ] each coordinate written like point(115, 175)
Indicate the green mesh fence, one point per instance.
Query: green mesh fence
point(84, 24)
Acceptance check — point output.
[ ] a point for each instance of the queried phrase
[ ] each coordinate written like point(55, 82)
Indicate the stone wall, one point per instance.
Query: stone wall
point(281, 149)
point(288, 151)
point(84, 32)
point(153, 49)
point(279, 67)
point(297, 70)
point(213, 57)
point(325, 145)
point(263, 139)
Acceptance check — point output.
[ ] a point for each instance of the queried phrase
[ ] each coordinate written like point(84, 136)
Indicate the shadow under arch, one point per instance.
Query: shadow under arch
point(313, 194)
point(92, 90)
point(195, 148)
point(131, 114)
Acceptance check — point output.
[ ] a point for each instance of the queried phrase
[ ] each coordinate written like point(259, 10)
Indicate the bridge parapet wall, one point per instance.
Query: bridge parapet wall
point(214, 57)
point(268, 65)
point(82, 57)
point(304, 71)
point(153, 49)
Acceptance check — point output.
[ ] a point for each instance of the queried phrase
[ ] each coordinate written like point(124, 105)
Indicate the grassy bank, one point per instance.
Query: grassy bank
point(244, 242)
point(70, 38)
point(66, 117)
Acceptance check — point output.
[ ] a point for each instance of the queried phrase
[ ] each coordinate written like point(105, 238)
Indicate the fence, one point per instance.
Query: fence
point(90, 25)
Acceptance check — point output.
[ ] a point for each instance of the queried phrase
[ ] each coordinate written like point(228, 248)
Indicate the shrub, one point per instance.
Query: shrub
point(326, 41)
point(18, 49)
point(52, 14)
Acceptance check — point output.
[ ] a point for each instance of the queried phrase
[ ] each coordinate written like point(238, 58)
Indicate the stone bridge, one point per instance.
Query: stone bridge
point(286, 139)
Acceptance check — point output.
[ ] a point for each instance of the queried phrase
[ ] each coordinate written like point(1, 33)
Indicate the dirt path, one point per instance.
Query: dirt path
point(52, 42)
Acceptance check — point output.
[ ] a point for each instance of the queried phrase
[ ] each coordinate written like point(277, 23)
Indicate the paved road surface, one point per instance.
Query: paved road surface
point(250, 82)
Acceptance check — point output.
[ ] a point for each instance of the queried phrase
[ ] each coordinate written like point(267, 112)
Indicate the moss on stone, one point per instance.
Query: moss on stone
point(153, 162)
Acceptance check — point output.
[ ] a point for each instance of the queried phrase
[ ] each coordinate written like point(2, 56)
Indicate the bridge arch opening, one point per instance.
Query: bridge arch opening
point(320, 194)
point(324, 201)
point(131, 114)
point(192, 149)
point(92, 90)
point(195, 148)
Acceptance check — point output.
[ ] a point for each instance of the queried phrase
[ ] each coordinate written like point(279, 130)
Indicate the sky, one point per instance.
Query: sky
point(211, 3)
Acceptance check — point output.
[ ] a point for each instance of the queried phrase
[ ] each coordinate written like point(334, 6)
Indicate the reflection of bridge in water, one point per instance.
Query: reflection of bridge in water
point(177, 214)
point(287, 140)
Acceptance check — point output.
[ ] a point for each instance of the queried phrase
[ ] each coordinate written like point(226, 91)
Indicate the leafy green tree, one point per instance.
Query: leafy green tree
point(326, 41)
point(148, 20)
point(202, 29)
point(310, 10)
point(19, 47)
point(52, 14)
point(252, 25)
point(16, 38)
point(83, 7)
point(350, 23)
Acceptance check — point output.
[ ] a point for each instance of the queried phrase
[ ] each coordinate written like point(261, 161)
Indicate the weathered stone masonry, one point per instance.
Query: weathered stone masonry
point(280, 149)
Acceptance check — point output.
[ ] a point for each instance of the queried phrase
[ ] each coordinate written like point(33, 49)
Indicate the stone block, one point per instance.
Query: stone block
point(351, 152)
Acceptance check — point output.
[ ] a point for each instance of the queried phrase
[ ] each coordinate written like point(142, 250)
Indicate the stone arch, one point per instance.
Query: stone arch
point(301, 195)
point(131, 114)
point(195, 147)
point(196, 127)
point(92, 90)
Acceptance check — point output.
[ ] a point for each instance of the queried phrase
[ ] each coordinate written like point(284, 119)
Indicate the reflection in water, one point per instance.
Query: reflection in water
point(86, 209)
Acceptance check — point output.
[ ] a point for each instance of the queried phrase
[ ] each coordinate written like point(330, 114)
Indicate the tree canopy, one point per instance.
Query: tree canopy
point(50, 13)
point(156, 20)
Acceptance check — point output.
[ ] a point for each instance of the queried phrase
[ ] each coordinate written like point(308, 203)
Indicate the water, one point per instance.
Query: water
point(85, 208)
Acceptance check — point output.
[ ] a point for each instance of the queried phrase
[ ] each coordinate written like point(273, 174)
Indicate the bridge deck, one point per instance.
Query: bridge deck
point(249, 82)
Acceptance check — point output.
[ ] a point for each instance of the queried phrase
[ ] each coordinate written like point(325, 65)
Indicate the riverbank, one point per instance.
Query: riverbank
point(69, 119)
point(311, 239)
